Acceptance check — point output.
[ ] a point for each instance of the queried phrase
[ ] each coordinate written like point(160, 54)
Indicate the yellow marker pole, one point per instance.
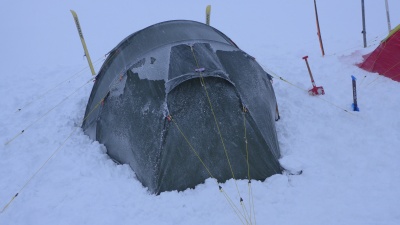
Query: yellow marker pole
point(208, 12)
point(83, 41)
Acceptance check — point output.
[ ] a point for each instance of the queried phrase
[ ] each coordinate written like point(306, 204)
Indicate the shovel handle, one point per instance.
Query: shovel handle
point(309, 70)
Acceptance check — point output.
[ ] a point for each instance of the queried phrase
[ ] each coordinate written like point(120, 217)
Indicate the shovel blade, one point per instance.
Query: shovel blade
point(316, 91)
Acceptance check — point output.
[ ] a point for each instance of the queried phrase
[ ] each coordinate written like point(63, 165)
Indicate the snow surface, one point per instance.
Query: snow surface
point(350, 160)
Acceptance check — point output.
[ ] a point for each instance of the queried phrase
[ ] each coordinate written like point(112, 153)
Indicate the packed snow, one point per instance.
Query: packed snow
point(350, 161)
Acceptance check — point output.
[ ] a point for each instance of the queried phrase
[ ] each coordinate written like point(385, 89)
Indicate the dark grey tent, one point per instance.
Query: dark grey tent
point(176, 100)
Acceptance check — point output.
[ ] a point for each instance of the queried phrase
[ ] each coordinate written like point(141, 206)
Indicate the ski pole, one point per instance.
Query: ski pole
point(387, 15)
point(364, 32)
point(318, 29)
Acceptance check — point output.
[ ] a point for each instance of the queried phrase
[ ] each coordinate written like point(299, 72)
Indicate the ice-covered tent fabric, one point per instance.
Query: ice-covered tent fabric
point(176, 100)
point(385, 59)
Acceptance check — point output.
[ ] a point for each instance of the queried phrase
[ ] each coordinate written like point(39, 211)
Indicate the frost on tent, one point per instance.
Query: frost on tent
point(176, 115)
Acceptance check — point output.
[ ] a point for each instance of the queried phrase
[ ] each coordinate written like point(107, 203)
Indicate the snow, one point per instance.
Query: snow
point(350, 160)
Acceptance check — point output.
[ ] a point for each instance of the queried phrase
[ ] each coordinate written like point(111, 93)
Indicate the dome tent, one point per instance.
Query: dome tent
point(385, 59)
point(179, 102)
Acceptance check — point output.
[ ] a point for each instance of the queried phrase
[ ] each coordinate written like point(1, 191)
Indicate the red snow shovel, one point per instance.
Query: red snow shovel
point(315, 90)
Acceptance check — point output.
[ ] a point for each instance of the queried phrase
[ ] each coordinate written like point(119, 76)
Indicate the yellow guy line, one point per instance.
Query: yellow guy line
point(59, 84)
point(235, 209)
point(219, 132)
point(41, 117)
point(319, 97)
point(51, 156)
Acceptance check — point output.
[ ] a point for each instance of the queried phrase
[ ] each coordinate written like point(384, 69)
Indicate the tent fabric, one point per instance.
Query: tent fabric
point(160, 95)
point(385, 59)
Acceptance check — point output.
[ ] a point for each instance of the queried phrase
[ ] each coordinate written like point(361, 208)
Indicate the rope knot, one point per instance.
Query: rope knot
point(199, 70)
point(244, 108)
